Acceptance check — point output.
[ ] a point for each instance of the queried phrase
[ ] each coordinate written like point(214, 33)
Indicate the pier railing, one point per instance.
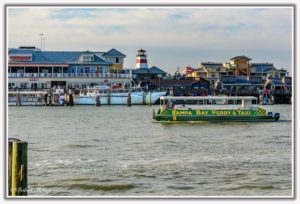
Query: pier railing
point(66, 75)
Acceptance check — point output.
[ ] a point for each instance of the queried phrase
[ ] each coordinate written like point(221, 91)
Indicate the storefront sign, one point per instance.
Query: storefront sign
point(33, 79)
point(20, 57)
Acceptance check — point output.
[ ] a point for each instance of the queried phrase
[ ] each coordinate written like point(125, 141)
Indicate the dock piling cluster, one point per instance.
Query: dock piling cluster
point(17, 167)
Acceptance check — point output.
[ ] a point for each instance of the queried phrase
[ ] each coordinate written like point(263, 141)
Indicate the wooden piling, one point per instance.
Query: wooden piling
point(71, 100)
point(108, 97)
point(150, 103)
point(144, 98)
point(18, 102)
point(45, 99)
point(129, 99)
point(17, 182)
point(98, 102)
point(71, 97)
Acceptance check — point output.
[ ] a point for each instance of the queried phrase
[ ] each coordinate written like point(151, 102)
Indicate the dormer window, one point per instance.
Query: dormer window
point(87, 57)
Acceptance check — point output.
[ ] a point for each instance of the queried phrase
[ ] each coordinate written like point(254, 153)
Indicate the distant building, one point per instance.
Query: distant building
point(267, 69)
point(116, 58)
point(31, 68)
point(182, 87)
point(147, 74)
point(235, 71)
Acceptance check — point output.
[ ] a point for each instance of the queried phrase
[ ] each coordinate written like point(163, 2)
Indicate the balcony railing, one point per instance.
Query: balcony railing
point(66, 75)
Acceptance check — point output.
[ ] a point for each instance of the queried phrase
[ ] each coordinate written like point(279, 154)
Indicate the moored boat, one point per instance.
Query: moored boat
point(118, 97)
point(240, 109)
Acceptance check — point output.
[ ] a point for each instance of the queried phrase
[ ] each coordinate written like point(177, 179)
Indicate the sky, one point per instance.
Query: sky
point(172, 36)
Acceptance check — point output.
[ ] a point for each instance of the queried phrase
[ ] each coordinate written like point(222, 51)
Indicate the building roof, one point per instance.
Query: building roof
point(55, 57)
point(212, 65)
point(156, 70)
point(276, 81)
point(261, 67)
point(241, 80)
point(175, 82)
point(140, 71)
point(241, 57)
point(113, 53)
point(152, 70)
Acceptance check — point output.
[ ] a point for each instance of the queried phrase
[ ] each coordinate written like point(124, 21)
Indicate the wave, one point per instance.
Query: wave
point(79, 146)
point(119, 187)
point(251, 187)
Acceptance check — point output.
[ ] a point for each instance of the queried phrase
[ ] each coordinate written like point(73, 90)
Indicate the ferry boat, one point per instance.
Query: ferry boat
point(205, 108)
point(118, 96)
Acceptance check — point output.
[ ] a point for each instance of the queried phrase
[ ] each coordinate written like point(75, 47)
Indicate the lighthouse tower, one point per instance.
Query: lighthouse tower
point(141, 60)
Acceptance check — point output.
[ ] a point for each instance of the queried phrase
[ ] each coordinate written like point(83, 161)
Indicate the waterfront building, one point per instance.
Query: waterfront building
point(238, 66)
point(116, 58)
point(238, 73)
point(267, 69)
point(31, 68)
point(181, 87)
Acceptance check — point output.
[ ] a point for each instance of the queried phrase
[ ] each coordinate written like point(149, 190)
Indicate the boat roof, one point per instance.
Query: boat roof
point(208, 98)
point(27, 92)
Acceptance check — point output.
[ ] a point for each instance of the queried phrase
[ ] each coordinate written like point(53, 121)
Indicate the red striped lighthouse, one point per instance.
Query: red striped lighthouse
point(141, 59)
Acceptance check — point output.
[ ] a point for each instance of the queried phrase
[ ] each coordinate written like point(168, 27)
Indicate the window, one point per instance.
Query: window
point(88, 57)
point(43, 85)
point(11, 85)
point(117, 60)
point(23, 85)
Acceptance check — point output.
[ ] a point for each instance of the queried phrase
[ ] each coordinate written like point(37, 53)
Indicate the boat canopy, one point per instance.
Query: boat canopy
point(250, 98)
point(27, 92)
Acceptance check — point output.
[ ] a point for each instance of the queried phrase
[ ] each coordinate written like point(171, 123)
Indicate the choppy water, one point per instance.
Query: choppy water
point(118, 151)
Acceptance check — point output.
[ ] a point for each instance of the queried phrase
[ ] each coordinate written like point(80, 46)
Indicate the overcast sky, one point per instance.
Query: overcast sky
point(172, 36)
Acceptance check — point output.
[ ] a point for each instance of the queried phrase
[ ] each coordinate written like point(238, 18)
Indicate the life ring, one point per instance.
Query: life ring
point(55, 97)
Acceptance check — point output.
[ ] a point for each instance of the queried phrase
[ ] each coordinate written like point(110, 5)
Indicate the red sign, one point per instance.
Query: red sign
point(33, 79)
point(16, 58)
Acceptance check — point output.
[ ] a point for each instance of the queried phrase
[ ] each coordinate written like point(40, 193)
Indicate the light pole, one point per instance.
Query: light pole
point(44, 43)
point(41, 40)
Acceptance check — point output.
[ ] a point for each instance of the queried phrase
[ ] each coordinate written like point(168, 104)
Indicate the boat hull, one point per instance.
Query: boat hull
point(137, 98)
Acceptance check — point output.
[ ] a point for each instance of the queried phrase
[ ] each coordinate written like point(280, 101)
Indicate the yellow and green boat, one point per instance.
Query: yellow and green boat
point(212, 109)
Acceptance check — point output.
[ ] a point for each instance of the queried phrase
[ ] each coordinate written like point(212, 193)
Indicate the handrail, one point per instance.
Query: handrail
point(67, 75)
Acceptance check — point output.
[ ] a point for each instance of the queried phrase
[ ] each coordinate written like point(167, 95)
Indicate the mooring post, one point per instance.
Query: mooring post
point(144, 98)
point(18, 103)
point(98, 102)
point(71, 98)
point(150, 102)
point(17, 168)
point(129, 98)
point(10, 141)
point(50, 99)
point(108, 97)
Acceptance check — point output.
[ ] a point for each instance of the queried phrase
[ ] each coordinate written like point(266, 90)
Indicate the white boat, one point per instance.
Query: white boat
point(26, 98)
point(117, 97)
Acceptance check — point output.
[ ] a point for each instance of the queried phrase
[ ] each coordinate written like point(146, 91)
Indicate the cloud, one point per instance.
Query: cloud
point(189, 29)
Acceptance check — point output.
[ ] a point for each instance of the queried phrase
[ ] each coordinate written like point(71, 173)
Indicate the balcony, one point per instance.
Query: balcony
point(66, 75)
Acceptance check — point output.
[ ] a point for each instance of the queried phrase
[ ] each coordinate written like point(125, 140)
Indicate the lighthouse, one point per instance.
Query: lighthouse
point(141, 60)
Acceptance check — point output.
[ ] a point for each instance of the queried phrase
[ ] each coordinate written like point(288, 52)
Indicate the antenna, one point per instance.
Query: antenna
point(41, 40)
point(44, 43)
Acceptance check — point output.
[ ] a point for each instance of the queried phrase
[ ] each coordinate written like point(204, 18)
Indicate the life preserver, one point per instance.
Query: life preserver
point(55, 97)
